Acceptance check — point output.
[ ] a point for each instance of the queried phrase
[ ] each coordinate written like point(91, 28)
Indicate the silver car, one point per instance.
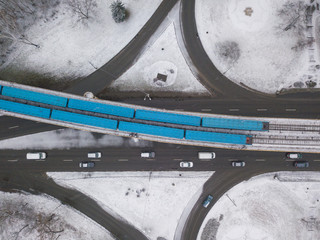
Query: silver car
point(186, 164)
point(238, 164)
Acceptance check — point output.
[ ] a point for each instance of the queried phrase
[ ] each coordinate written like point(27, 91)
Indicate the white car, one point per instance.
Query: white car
point(37, 155)
point(94, 155)
point(186, 164)
point(148, 154)
point(206, 155)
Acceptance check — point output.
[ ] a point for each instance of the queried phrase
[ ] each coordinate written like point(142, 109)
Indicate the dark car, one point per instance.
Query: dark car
point(207, 201)
point(301, 164)
point(86, 164)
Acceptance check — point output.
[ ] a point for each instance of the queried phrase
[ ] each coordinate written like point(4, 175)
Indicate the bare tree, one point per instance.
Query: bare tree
point(293, 16)
point(229, 51)
point(83, 8)
point(16, 16)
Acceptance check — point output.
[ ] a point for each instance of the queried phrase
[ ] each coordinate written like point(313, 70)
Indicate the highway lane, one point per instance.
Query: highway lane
point(14, 127)
point(167, 158)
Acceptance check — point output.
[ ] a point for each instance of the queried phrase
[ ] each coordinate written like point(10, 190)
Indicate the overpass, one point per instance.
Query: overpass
point(126, 120)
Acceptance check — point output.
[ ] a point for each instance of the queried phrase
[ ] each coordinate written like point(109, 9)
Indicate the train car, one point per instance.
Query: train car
point(238, 124)
point(24, 109)
point(84, 119)
point(34, 96)
point(218, 137)
point(101, 108)
point(167, 117)
point(151, 129)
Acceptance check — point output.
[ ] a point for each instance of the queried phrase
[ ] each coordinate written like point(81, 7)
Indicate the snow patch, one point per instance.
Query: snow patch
point(266, 208)
point(151, 201)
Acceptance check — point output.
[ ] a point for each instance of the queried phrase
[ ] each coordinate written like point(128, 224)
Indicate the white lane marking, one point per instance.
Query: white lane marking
point(123, 160)
point(262, 109)
point(260, 160)
point(177, 159)
point(67, 160)
point(13, 160)
point(150, 159)
point(234, 109)
point(95, 160)
point(317, 160)
point(232, 159)
point(13, 127)
point(291, 109)
point(290, 160)
point(206, 109)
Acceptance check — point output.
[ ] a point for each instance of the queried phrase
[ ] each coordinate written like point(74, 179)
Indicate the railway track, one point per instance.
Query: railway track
point(289, 127)
point(286, 140)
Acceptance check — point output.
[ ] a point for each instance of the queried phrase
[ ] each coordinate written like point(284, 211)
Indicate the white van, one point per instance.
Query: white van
point(206, 155)
point(38, 155)
point(94, 155)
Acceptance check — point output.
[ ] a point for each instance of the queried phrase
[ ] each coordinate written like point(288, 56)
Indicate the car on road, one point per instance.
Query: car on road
point(206, 155)
point(207, 201)
point(86, 164)
point(94, 155)
point(301, 164)
point(238, 164)
point(186, 164)
point(294, 155)
point(148, 154)
point(36, 155)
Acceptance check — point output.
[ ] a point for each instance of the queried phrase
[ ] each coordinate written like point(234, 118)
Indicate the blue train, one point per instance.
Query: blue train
point(129, 113)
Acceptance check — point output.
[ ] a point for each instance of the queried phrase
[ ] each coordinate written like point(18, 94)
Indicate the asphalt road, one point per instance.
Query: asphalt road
point(168, 157)
point(18, 173)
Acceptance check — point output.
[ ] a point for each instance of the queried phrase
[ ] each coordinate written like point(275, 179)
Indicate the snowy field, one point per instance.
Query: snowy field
point(279, 206)
point(162, 57)
point(246, 41)
point(67, 47)
point(151, 201)
point(31, 217)
point(69, 138)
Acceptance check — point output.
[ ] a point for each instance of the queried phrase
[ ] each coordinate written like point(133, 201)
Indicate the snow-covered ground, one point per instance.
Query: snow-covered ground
point(277, 206)
point(67, 47)
point(31, 217)
point(151, 201)
point(246, 42)
point(162, 57)
point(68, 138)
